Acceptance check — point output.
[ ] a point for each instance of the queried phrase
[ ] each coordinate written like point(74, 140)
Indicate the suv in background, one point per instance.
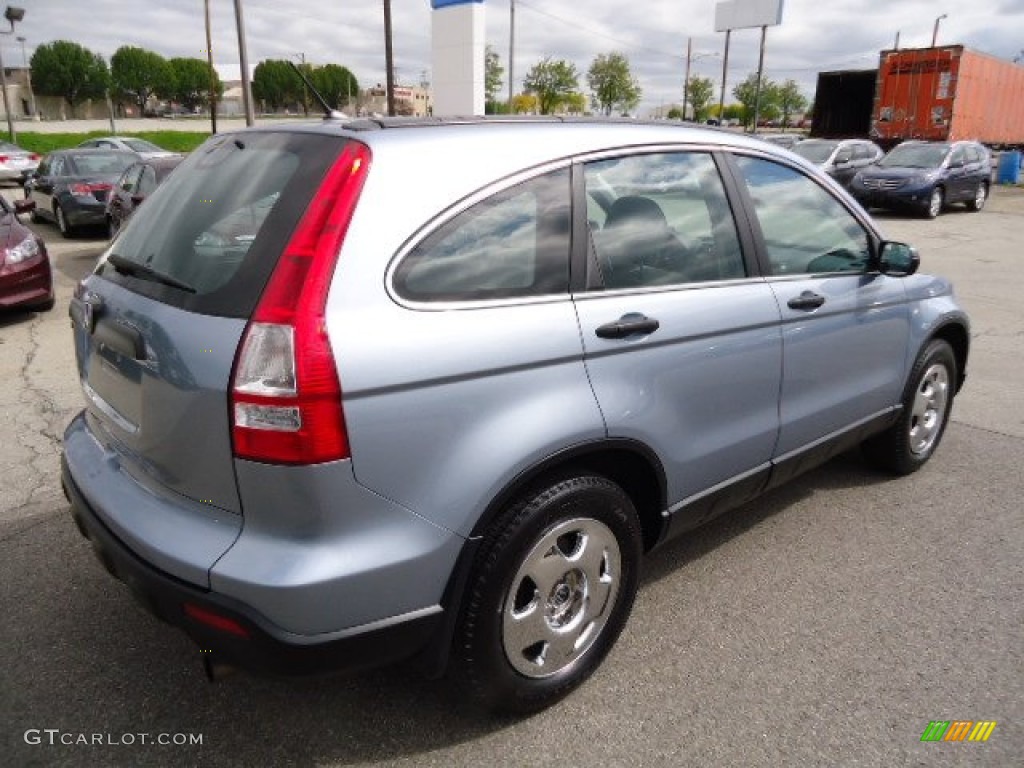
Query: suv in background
point(362, 391)
point(926, 176)
point(840, 158)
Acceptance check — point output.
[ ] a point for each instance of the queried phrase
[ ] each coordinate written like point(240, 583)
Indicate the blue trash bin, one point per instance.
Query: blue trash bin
point(1009, 167)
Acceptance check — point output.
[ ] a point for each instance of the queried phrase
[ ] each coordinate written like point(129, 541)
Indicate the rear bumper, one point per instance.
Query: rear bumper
point(249, 641)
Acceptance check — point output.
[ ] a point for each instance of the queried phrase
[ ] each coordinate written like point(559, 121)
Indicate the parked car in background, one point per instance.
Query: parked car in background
point(70, 186)
point(16, 164)
point(840, 158)
point(620, 330)
point(925, 177)
point(784, 140)
point(134, 186)
point(26, 278)
point(140, 147)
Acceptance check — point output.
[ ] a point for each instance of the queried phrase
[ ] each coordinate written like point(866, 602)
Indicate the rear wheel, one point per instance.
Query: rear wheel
point(911, 441)
point(62, 221)
point(980, 197)
point(935, 202)
point(550, 591)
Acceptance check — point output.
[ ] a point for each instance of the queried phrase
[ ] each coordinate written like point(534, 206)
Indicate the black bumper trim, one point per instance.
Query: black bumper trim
point(267, 649)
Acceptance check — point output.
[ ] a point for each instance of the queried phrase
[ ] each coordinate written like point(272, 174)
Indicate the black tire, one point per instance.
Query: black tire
point(980, 198)
point(908, 444)
point(575, 522)
point(62, 222)
point(34, 216)
point(45, 306)
point(936, 201)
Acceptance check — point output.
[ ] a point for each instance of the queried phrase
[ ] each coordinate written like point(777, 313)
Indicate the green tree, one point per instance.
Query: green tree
point(68, 70)
point(789, 100)
point(190, 82)
point(493, 72)
point(335, 83)
point(275, 83)
point(611, 84)
point(699, 93)
point(524, 104)
point(674, 113)
point(551, 81)
point(576, 103)
point(137, 74)
point(746, 95)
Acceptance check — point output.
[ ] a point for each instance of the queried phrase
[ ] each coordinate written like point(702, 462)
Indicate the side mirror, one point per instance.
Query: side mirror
point(24, 205)
point(897, 259)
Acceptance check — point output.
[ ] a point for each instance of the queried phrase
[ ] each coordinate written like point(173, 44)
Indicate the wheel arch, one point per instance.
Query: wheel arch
point(630, 464)
point(955, 334)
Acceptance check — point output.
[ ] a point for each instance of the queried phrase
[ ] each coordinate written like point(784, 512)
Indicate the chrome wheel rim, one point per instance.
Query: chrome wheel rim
point(979, 197)
point(929, 409)
point(561, 597)
point(62, 224)
point(935, 204)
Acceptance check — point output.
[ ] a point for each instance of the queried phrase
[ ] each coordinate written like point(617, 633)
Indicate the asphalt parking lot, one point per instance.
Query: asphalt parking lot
point(825, 624)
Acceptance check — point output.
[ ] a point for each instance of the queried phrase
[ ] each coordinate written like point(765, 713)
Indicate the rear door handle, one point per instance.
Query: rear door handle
point(806, 300)
point(628, 325)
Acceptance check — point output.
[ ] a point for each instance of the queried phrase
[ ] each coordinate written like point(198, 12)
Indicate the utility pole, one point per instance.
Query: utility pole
point(686, 80)
point(213, 73)
point(305, 94)
point(511, 51)
point(243, 60)
point(389, 58)
point(760, 69)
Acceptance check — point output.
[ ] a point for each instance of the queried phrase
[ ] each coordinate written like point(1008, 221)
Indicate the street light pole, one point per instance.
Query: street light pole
point(511, 51)
point(389, 59)
point(686, 81)
point(243, 60)
point(935, 29)
point(28, 79)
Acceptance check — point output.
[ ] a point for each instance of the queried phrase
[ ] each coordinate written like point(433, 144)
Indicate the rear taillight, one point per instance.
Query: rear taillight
point(82, 189)
point(285, 392)
point(4, 158)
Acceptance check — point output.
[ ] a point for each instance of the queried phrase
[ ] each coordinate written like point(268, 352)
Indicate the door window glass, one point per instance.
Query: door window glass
point(515, 243)
point(806, 230)
point(664, 220)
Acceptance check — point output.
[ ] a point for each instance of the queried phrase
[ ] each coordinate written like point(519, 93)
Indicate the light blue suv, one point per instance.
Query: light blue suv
point(364, 391)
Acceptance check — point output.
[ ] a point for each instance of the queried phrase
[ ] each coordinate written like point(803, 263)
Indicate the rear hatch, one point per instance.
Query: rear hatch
point(158, 323)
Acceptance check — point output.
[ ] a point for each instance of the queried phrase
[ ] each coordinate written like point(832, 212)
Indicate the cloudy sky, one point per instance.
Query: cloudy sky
point(815, 35)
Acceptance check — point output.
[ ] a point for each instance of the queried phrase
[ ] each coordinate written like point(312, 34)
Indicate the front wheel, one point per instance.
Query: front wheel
point(911, 441)
point(550, 591)
point(935, 203)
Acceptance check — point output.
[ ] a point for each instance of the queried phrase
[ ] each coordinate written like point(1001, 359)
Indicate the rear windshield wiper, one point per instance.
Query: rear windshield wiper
point(142, 272)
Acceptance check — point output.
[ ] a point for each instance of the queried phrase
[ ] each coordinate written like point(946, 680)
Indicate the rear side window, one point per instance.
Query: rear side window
point(514, 244)
point(219, 224)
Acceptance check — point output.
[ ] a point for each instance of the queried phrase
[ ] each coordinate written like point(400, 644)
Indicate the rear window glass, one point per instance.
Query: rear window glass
point(219, 223)
point(102, 163)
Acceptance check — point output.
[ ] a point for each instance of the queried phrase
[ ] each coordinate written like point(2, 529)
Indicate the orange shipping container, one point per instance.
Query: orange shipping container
point(948, 93)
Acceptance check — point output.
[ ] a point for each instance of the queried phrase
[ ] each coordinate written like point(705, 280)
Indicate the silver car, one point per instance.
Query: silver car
point(363, 391)
point(16, 164)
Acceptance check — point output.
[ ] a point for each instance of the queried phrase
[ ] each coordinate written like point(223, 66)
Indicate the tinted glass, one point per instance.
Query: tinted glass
point(130, 179)
point(220, 222)
point(147, 181)
point(513, 244)
point(806, 230)
point(101, 163)
point(666, 221)
point(815, 151)
point(139, 145)
point(915, 156)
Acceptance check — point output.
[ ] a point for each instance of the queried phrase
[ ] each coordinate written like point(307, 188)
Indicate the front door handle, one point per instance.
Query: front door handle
point(806, 300)
point(628, 325)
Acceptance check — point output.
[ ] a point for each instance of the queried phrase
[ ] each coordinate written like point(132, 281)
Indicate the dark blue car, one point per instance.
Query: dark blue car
point(926, 177)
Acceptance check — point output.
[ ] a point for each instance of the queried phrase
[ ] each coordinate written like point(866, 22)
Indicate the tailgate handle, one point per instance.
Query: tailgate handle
point(628, 325)
point(119, 337)
point(806, 300)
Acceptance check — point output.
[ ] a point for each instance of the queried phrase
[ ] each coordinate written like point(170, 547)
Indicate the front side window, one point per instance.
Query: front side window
point(130, 178)
point(513, 244)
point(806, 230)
point(661, 219)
